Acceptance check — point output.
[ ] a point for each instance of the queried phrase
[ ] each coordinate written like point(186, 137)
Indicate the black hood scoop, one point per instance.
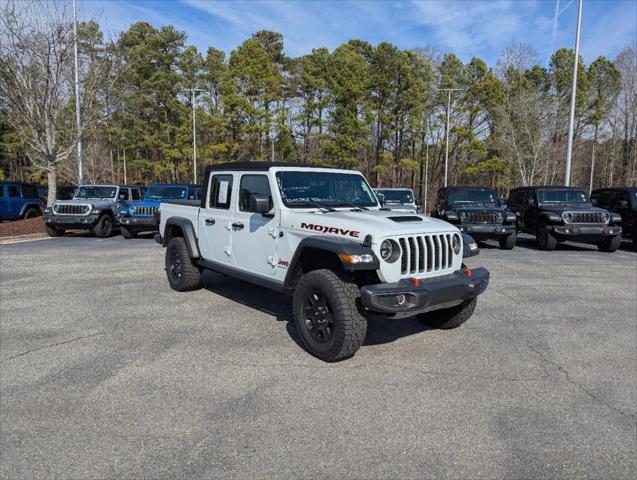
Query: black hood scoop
point(406, 218)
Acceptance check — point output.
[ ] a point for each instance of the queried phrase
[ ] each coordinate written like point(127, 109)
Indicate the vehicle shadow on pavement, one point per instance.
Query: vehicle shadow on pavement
point(529, 243)
point(380, 330)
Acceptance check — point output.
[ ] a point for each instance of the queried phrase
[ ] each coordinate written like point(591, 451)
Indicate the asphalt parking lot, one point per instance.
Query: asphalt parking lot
point(106, 372)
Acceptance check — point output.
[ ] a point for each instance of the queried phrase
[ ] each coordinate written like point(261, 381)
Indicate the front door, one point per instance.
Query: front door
point(254, 234)
point(215, 220)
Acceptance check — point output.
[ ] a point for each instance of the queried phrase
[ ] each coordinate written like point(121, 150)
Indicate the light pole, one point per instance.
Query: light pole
point(80, 177)
point(571, 118)
point(193, 92)
point(272, 136)
point(448, 90)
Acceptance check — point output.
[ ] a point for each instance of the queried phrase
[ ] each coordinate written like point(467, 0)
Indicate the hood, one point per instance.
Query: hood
point(401, 207)
point(572, 208)
point(95, 202)
point(357, 225)
point(477, 208)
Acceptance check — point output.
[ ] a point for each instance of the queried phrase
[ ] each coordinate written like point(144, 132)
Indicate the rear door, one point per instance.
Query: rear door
point(215, 219)
point(254, 235)
point(14, 201)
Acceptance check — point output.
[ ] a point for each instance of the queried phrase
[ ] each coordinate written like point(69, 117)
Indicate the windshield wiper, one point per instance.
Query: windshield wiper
point(315, 205)
point(352, 205)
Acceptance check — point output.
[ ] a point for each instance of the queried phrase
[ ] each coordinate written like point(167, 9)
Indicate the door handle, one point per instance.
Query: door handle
point(237, 226)
point(210, 221)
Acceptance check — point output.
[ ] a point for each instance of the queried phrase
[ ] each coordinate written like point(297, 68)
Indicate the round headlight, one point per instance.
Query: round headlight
point(455, 243)
point(605, 217)
point(568, 217)
point(389, 251)
point(499, 217)
point(462, 215)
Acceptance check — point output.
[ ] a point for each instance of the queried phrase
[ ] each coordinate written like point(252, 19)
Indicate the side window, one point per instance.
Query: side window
point(253, 184)
point(13, 191)
point(135, 193)
point(123, 194)
point(29, 191)
point(220, 192)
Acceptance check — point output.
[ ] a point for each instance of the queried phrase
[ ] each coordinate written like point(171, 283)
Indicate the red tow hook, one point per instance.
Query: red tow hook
point(415, 281)
point(468, 272)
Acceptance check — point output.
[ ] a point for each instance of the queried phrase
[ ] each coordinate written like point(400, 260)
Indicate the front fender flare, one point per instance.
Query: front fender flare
point(335, 246)
point(187, 231)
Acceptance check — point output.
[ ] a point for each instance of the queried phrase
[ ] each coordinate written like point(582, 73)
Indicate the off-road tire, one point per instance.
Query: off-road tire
point(182, 275)
point(449, 318)
point(611, 244)
point(508, 242)
point(128, 234)
point(544, 239)
point(104, 226)
point(31, 213)
point(54, 231)
point(634, 237)
point(342, 299)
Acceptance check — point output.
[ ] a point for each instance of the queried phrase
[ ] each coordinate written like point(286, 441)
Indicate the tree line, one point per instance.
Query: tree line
point(376, 108)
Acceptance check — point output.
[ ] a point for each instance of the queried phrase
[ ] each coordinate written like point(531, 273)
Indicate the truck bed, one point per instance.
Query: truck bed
point(188, 209)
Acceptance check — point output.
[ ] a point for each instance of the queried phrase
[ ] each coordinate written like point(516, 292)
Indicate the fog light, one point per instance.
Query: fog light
point(400, 299)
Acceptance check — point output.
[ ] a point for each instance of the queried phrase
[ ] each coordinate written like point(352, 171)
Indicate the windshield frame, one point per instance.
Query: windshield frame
point(574, 191)
point(405, 191)
point(486, 191)
point(76, 195)
point(316, 204)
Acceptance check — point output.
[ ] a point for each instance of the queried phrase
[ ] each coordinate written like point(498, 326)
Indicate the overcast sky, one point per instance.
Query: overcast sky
point(466, 28)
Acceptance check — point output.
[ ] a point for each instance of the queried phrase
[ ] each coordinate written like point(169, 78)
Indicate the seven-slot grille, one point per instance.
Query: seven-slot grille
point(143, 210)
point(71, 209)
point(426, 253)
point(587, 217)
point(482, 217)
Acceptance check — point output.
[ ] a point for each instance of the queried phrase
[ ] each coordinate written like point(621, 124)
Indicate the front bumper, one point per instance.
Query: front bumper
point(591, 234)
point(71, 221)
point(139, 223)
point(485, 231)
point(405, 298)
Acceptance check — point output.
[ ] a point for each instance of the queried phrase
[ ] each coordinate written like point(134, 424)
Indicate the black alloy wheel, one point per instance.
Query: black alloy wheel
point(318, 318)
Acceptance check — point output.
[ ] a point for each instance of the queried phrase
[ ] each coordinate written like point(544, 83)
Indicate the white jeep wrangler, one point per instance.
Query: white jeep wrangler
point(319, 235)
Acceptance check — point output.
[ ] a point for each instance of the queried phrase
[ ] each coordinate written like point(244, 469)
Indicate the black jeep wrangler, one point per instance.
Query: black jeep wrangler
point(621, 200)
point(557, 214)
point(477, 211)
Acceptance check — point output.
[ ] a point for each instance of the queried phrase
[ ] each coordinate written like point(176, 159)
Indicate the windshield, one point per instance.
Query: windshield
point(310, 189)
point(577, 197)
point(170, 193)
point(96, 192)
point(396, 196)
point(483, 197)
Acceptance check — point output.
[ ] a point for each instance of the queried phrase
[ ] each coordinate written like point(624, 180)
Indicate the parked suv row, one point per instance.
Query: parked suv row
point(551, 214)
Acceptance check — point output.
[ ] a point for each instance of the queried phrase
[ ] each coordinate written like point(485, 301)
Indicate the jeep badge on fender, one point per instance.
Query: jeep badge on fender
point(319, 234)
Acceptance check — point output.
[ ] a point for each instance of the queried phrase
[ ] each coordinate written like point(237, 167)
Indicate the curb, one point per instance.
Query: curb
point(24, 238)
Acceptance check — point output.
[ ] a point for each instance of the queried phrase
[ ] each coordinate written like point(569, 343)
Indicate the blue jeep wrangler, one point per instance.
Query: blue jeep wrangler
point(19, 200)
point(137, 217)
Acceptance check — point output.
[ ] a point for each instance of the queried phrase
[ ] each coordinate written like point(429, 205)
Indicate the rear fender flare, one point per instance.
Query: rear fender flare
point(184, 225)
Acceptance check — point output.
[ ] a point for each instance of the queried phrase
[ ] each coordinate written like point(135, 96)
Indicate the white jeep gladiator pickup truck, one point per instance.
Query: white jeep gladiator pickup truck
point(319, 235)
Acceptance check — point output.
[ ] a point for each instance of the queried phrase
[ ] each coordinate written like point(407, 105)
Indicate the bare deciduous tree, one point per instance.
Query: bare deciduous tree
point(36, 82)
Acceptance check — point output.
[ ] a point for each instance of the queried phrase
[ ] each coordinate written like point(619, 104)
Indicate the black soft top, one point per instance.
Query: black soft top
point(256, 166)
point(467, 187)
point(546, 187)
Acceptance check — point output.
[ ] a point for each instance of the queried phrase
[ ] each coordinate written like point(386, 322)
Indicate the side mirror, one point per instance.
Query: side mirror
point(594, 201)
point(623, 203)
point(259, 203)
point(418, 203)
point(530, 202)
point(381, 199)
